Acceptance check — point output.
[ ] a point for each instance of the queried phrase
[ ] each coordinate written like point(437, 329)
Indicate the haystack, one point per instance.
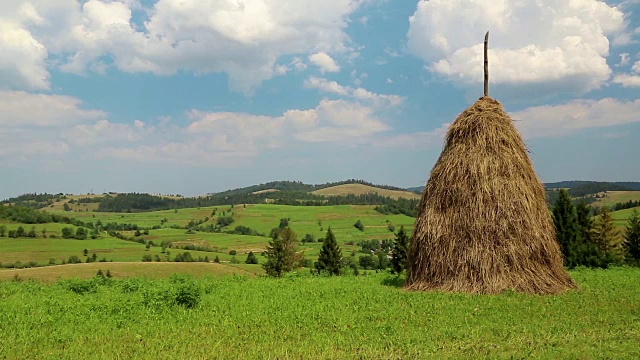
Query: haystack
point(483, 224)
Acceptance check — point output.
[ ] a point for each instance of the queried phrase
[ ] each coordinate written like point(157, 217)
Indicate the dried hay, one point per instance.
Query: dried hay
point(483, 224)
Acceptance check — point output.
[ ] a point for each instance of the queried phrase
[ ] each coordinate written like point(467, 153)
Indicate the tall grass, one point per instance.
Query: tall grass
point(367, 317)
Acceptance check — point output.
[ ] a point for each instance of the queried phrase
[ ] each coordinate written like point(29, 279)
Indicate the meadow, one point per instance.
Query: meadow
point(307, 317)
point(314, 220)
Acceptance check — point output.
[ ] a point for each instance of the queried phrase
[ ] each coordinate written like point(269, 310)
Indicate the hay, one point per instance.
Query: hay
point(483, 224)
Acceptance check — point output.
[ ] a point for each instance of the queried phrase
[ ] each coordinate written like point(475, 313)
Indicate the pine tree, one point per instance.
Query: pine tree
point(399, 252)
point(567, 227)
point(632, 238)
point(281, 253)
point(605, 234)
point(330, 259)
point(586, 251)
point(251, 258)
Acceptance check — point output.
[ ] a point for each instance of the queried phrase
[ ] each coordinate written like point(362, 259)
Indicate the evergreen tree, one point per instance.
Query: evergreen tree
point(330, 259)
point(281, 253)
point(606, 235)
point(586, 251)
point(216, 260)
point(251, 258)
point(632, 238)
point(567, 227)
point(399, 252)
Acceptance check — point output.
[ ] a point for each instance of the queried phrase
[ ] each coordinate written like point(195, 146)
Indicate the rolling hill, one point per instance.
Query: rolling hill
point(361, 189)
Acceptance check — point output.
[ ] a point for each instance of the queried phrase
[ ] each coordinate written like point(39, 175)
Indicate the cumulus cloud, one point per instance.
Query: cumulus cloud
point(629, 79)
point(21, 109)
point(324, 62)
point(377, 100)
point(243, 39)
point(532, 41)
point(564, 119)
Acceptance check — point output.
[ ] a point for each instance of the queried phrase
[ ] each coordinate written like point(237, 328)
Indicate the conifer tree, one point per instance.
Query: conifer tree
point(330, 259)
point(632, 238)
point(399, 252)
point(605, 234)
point(281, 253)
point(567, 227)
point(251, 258)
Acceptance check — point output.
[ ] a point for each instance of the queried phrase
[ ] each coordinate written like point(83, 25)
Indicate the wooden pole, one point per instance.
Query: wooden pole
point(486, 64)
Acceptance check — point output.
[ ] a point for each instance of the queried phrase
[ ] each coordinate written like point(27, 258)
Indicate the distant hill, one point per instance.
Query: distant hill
point(624, 185)
point(361, 189)
point(297, 186)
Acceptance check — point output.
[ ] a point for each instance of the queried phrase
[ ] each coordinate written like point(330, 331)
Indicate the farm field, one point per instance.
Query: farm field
point(365, 317)
point(262, 218)
point(613, 197)
point(361, 189)
point(125, 269)
point(621, 217)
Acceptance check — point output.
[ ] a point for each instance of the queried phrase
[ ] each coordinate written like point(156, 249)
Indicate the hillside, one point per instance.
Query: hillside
point(360, 189)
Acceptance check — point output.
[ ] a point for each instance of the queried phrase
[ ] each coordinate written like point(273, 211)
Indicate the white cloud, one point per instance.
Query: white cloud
point(563, 119)
point(22, 59)
point(422, 139)
point(324, 62)
point(21, 109)
point(624, 59)
point(629, 80)
point(531, 41)
point(243, 39)
point(378, 100)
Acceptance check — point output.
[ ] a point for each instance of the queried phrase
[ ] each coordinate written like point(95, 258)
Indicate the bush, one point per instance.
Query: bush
point(358, 225)
point(251, 258)
point(233, 252)
point(234, 260)
point(74, 259)
point(82, 286)
point(147, 258)
point(188, 295)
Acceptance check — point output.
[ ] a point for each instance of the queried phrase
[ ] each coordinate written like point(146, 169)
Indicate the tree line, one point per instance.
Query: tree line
point(594, 242)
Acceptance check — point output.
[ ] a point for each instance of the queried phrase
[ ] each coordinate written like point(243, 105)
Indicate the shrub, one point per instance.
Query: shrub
point(234, 260)
point(188, 295)
point(147, 258)
point(82, 286)
point(358, 225)
point(233, 252)
point(74, 259)
point(216, 260)
point(251, 258)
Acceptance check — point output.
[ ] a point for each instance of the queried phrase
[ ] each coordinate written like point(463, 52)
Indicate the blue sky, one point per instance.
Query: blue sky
point(190, 97)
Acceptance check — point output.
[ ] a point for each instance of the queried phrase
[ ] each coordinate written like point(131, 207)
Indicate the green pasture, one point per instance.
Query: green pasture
point(316, 220)
point(304, 317)
point(621, 217)
point(145, 219)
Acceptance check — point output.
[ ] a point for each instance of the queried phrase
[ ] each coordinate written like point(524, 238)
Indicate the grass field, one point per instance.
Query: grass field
point(125, 269)
point(263, 218)
point(360, 189)
point(621, 217)
point(304, 317)
point(613, 197)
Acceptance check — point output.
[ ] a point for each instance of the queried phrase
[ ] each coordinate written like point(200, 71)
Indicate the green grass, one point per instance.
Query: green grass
point(127, 269)
point(621, 217)
point(613, 197)
point(319, 318)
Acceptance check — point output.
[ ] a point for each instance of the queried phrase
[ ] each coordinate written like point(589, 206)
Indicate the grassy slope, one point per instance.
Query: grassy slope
point(621, 217)
point(259, 217)
point(304, 220)
point(612, 197)
point(322, 318)
point(123, 269)
point(360, 189)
